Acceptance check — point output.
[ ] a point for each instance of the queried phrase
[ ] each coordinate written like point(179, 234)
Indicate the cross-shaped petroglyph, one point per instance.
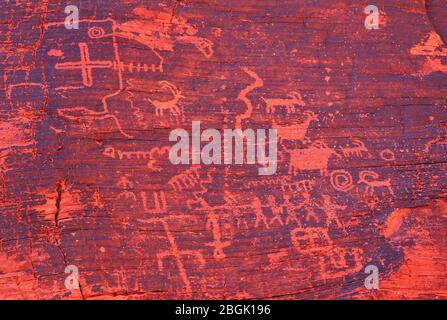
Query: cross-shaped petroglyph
point(85, 65)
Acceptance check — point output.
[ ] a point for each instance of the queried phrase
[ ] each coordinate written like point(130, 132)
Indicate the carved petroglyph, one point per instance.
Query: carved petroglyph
point(296, 131)
point(177, 254)
point(341, 180)
point(159, 199)
point(156, 154)
point(273, 212)
point(387, 155)
point(332, 260)
point(169, 105)
point(131, 67)
point(152, 155)
point(433, 49)
point(330, 209)
point(309, 204)
point(294, 99)
point(277, 211)
point(205, 46)
point(310, 240)
point(285, 183)
point(442, 140)
point(315, 157)
point(371, 180)
point(187, 179)
point(281, 181)
point(227, 217)
point(290, 210)
point(302, 185)
point(160, 31)
point(213, 224)
point(163, 101)
point(356, 150)
point(158, 205)
point(232, 203)
point(11, 89)
point(242, 96)
point(178, 31)
point(342, 261)
point(437, 141)
point(85, 113)
point(218, 244)
point(97, 199)
point(85, 65)
point(260, 216)
point(127, 185)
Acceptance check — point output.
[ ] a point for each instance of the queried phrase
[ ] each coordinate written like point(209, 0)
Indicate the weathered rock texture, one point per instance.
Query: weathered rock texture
point(85, 178)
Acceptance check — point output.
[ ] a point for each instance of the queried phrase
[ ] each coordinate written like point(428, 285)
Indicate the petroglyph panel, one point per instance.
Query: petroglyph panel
point(86, 179)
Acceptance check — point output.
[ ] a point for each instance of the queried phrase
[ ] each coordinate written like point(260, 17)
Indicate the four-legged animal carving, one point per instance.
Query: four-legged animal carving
point(316, 157)
point(170, 105)
point(356, 150)
point(370, 178)
point(294, 99)
point(296, 131)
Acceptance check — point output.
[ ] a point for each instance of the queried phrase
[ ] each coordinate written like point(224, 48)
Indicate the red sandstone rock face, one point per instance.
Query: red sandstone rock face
point(85, 178)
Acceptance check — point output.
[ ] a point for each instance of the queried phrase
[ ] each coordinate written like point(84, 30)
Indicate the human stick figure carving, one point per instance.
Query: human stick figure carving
point(213, 225)
point(176, 253)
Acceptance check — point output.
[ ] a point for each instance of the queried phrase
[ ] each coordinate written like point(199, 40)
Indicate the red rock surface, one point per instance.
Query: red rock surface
point(85, 178)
